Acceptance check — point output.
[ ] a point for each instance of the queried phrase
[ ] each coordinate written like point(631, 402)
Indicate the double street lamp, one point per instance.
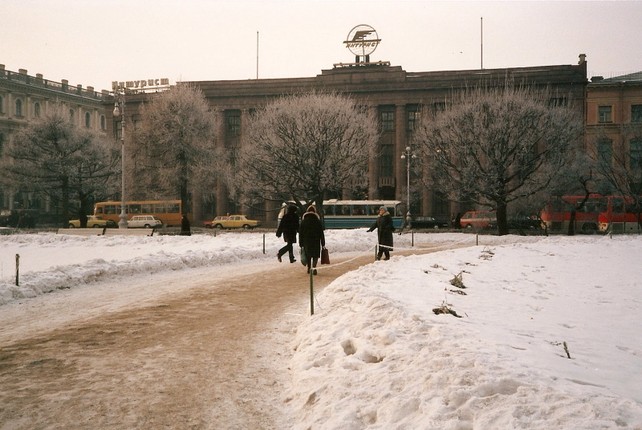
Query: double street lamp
point(119, 112)
point(407, 155)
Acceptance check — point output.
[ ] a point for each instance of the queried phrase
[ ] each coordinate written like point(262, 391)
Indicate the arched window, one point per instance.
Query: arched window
point(18, 107)
point(87, 119)
point(103, 122)
point(36, 110)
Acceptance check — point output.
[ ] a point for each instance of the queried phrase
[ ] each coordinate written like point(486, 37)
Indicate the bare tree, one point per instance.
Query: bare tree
point(492, 146)
point(54, 157)
point(304, 147)
point(175, 148)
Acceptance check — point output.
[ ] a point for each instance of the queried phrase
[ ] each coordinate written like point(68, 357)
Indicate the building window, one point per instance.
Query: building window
point(388, 120)
point(72, 115)
point(413, 117)
point(18, 107)
point(36, 110)
point(558, 102)
point(605, 151)
point(604, 114)
point(636, 154)
point(1, 105)
point(103, 122)
point(386, 161)
point(87, 119)
point(233, 122)
point(636, 113)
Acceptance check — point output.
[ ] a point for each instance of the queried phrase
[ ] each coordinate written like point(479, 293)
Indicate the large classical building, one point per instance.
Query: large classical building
point(23, 98)
point(397, 96)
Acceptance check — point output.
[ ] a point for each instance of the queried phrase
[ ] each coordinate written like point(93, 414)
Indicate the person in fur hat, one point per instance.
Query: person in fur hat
point(288, 227)
point(384, 227)
point(311, 237)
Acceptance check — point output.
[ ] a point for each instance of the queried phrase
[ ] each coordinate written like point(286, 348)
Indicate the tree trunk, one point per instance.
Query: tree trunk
point(502, 219)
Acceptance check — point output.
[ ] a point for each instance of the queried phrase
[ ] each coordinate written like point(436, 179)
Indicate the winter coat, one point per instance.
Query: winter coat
point(289, 226)
point(311, 235)
point(384, 227)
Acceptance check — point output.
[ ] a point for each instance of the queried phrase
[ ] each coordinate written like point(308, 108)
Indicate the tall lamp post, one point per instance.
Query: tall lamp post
point(119, 112)
point(407, 155)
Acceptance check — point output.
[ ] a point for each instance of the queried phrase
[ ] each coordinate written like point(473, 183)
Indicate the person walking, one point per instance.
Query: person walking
point(384, 227)
point(185, 227)
point(288, 227)
point(311, 237)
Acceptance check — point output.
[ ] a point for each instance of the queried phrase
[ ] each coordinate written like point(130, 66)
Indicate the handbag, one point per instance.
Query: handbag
point(304, 257)
point(325, 256)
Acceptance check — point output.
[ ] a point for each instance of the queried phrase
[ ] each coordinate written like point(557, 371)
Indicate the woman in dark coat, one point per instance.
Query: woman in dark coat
point(288, 227)
point(311, 237)
point(384, 227)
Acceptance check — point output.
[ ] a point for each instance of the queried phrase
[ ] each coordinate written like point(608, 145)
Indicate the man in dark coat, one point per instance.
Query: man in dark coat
point(311, 237)
point(288, 227)
point(384, 227)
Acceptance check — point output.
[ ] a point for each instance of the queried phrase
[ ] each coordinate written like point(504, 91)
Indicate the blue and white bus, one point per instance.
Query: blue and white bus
point(356, 213)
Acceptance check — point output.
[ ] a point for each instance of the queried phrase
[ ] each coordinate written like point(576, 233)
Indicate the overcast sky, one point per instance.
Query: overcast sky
point(95, 42)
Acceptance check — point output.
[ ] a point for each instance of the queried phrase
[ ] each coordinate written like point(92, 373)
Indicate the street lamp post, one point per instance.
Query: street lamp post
point(119, 111)
point(407, 155)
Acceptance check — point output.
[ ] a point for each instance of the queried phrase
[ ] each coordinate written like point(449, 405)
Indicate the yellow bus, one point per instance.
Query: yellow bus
point(168, 211)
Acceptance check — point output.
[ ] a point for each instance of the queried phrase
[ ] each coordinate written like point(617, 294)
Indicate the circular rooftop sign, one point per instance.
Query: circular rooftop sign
point(362, 40)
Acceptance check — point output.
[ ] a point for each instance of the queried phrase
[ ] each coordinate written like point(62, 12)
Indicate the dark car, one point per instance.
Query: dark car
point(17, 218)
point(525, 222)
point(427, 222)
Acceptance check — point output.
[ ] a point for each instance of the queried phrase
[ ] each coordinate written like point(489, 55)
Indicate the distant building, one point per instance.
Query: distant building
point(24, 98)
point(614, 120)
point(397, 96)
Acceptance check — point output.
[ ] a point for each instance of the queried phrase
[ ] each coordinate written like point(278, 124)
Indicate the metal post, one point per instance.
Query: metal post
point(17, 270)
point(407, 155)
point(311, 291)
point(119, 111)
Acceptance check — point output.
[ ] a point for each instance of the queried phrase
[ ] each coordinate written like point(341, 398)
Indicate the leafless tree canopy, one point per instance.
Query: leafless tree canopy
point(55, 157)
point(302, 147)
point(175, 151)
point(492, 146)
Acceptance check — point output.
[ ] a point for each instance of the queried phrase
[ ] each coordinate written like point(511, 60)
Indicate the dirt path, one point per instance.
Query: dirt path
point(213, 356)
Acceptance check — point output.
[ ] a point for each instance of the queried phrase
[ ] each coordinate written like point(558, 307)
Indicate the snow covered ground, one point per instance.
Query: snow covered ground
point(376, 355)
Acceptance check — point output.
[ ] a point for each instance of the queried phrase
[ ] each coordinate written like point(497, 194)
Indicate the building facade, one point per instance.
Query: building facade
point(25, 98)
point(614, 123)
point(397, 97)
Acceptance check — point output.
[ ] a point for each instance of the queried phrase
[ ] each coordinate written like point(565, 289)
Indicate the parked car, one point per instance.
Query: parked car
point(94, 222)
point(232, 221)
point(525, 222)
point(478, 219)
point(17, 218)
point(427, 222)
point(144, 221)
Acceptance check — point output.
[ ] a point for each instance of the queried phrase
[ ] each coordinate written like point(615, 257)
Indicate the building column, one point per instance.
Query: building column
point(221, 190)
point(373, 164)
point(400, 147)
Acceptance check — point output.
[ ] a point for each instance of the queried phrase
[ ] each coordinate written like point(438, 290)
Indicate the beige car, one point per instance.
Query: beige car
point(232, 221)
point(93, 222)
point(144, 221)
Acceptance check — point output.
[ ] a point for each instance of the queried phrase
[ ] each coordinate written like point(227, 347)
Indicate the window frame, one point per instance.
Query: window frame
point(604, 114)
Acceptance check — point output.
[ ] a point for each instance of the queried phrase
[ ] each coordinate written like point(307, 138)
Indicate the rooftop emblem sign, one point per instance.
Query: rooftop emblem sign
point(362, 40)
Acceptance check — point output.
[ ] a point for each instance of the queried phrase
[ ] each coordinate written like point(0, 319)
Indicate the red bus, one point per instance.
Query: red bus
point(168, 211)
point(621, 215)
point(556, 215)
